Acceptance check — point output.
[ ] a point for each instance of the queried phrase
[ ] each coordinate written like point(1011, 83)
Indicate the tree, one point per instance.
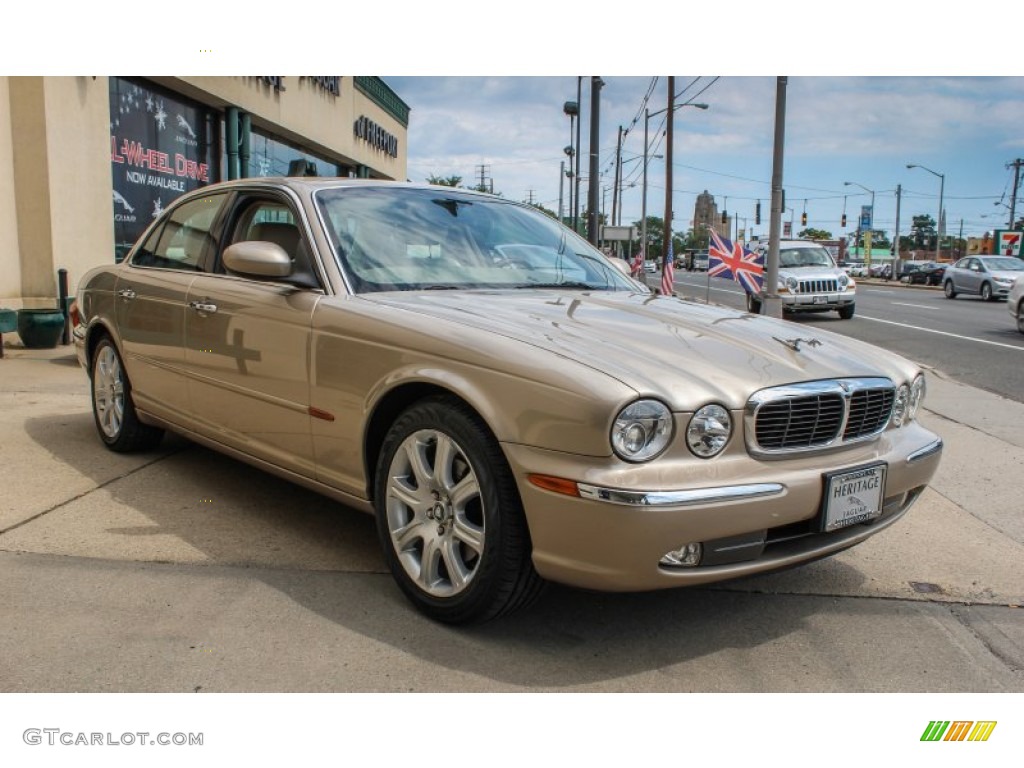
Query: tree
point(542, 209)
point(922, 231)
point(878, 239)
point(445, 181)
point(815, 234)
point(655, 233)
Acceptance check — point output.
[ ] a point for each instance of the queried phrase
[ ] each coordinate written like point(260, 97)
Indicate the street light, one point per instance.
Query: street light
point(938, 222)
point(572, 109)
point(643, 216)
point(867, 235)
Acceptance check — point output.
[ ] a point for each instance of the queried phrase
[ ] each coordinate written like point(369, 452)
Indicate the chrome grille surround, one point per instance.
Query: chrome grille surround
point(825, 285)
point(817, 415)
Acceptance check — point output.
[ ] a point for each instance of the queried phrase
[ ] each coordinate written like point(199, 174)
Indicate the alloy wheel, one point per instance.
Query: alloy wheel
point(108, 392)
point(435, 513)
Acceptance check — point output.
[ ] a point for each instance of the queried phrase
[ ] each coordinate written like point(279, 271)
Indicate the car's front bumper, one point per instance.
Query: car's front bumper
point(816, 302)
point(751, 516)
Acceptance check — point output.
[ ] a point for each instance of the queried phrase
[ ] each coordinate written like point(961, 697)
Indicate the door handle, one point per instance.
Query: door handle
point(126, 293)
point(204, 307)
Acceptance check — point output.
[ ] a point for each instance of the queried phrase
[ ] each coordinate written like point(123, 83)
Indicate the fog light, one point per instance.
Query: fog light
point(686, 556)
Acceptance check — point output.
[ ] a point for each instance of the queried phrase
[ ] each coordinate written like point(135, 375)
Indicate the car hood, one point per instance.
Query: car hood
point(683, 352)
point(810, 273)
point(1006, 274)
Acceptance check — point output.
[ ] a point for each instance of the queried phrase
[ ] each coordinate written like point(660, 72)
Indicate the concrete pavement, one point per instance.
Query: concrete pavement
point(181, 569)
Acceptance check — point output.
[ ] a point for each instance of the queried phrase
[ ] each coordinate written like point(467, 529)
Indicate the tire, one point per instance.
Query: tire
point(753, 304)
point(113, 411)
point(845, 313)
point(1020, 317)
point(949, 290)
point(986, 292)
point(449, 518)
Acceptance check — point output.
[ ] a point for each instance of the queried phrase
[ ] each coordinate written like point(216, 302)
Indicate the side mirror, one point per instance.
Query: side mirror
point(257, 258)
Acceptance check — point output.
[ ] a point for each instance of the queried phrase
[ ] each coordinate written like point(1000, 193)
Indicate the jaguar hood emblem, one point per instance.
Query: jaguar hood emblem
point(794, 344)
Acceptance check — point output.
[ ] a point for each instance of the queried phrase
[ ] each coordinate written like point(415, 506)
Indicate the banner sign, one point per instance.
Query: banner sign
point(160, 147)
point(866, 215)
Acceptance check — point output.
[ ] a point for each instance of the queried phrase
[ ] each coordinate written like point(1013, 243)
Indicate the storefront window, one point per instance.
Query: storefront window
point(270, 157)
point(160, 147)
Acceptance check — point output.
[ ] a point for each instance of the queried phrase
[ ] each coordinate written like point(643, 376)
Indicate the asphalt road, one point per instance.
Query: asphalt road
point(970, 340)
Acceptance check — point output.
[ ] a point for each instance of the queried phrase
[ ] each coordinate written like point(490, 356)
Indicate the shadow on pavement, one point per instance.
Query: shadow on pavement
point(325, 557)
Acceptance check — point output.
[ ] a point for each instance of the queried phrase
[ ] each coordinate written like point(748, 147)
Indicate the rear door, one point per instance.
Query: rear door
point(150, 301)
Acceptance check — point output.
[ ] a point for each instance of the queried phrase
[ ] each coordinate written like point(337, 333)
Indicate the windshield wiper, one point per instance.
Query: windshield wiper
point(442, 287)
point(564, 284)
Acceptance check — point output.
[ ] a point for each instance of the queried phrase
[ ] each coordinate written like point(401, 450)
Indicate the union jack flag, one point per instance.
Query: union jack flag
point(734, 262)
point(668, 285)
point(638, 264)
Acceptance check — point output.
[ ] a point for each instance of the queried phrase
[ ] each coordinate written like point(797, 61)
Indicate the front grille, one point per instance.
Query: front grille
point(830, 285)
point(869, 411)
point(817, 414)
point(800, 422)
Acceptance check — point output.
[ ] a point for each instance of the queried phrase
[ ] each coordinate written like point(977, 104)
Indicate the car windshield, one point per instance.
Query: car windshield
point(404, 239)
point(1005, 264)
point(810, 256)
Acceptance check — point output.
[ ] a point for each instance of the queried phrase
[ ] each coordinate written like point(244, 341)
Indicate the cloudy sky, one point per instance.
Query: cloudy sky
point(857, 129)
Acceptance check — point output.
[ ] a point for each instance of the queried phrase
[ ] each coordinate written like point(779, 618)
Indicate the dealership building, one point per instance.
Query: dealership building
point(86, 163)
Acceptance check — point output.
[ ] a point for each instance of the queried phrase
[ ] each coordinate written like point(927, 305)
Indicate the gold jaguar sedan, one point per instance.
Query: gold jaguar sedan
point(509, 404)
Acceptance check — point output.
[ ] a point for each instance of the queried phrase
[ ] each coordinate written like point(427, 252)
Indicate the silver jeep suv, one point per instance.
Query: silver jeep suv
point(809, 280)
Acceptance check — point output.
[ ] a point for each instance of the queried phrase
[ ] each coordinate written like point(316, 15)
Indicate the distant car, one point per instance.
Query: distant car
point(700, 262)
point(987, 276)
point(650, 266)
point(882, 270)
point(1015, 302)
point(855, 268)
point(922, 272)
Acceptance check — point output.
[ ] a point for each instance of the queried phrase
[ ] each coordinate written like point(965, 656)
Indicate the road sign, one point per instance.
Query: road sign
point(865, 216)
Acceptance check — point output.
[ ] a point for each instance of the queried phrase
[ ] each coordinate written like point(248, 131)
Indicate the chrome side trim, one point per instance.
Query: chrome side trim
point(679, 498)
point(929, 450)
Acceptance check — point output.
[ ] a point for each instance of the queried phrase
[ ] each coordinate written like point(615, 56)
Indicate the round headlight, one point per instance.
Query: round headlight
point(642, 430)
point(899, 408)
point(791, 283)
point(709, 431)
point(917, 390)
point(844, 280)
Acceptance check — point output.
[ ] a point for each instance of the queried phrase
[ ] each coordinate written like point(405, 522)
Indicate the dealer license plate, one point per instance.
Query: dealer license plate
point(853, 496)
point(819, 299)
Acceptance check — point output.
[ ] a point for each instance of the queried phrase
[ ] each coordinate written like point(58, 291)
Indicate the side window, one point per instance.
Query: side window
point(185, 238)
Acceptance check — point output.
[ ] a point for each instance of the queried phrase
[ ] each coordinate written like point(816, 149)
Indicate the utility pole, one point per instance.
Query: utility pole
point(1013, 192)
point(595, 147)
point(576, 178)
point(770, 289)
point(484, 179)
point(666, 240)
point(618, 178)
point(643, 204)
point(896, 236)
point(561, 190)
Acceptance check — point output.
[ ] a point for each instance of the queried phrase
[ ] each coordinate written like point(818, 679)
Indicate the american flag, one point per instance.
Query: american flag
point(734, 262)
point(667, 280)
point(638, 264)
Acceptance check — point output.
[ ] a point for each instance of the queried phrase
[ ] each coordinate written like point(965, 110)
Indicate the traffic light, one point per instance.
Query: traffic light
point(803, 219)
point(842, 222)
point(725, 217)
point(757, 213)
